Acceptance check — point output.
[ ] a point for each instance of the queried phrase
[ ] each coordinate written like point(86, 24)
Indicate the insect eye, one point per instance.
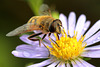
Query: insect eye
point(58, 24)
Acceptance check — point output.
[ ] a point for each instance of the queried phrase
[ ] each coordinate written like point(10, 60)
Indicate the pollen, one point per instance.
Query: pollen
point(67, 48)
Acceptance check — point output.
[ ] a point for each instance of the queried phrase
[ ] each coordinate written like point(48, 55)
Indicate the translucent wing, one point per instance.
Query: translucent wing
point(44, 10)
point(18, 30)
point(28, 27)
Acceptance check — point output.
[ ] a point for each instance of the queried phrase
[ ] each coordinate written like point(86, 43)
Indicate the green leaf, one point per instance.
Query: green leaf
point(35, 5)
point(86, 59)
point(55, 14)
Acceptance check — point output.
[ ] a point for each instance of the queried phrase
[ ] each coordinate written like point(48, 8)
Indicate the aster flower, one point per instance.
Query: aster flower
point(72, 46)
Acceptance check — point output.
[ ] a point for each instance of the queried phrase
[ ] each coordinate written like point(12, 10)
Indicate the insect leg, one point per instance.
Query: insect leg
point(42, 39)
point(34, 35)
point(31, 36)
point(58, 36)
point(44, 44)
point(52, 39)
point(47, 49)
point(44, 36)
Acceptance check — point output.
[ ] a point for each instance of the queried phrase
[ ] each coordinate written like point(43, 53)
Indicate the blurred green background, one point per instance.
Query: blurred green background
point(14, 13)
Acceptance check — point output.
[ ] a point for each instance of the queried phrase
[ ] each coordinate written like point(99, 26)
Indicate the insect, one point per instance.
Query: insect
point(45, 23)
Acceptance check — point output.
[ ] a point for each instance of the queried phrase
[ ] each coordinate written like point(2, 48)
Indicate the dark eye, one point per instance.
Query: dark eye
point(58, 24)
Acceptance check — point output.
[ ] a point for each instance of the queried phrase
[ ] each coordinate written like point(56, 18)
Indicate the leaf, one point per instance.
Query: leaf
point(35, 5)
point(55, 14)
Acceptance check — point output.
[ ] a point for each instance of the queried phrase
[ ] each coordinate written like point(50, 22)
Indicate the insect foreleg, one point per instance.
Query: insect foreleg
point(52, 39)
point(58, 36)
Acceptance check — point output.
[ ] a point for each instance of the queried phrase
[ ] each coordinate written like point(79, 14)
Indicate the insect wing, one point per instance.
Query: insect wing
point(44, 10)
point(18, 30)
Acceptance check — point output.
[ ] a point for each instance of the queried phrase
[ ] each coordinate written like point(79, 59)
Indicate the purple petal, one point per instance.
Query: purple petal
point(86, 26)
point(86, 64)
point(80, 24)
point(63, 19)
point(61, 64)
point(93, 48)
point(79, 63)
point(74, 64)
point(30, 51)
point(93, 29)
point(25, 39)
point(37, 31)
point(93, 39)
point(42, 64)
point(71, 23)
point(53, 64)
point(91, 53)
point(68, 65)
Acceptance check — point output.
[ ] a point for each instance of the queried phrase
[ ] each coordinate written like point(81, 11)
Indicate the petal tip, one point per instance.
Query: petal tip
point(15, 53)
point(72, 12)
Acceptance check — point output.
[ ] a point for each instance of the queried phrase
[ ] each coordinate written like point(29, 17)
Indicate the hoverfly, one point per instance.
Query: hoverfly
point(45, 23)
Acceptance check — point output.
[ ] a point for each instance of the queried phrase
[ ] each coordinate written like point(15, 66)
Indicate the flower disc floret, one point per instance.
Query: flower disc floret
point(67, 48)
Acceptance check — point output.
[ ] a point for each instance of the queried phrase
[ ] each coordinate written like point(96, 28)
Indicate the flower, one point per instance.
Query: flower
point(73, 45)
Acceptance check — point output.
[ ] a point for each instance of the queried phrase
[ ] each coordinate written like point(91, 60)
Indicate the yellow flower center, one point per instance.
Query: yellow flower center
point(67, 48)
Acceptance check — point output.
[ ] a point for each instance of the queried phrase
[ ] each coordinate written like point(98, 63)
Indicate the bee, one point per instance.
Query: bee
point(44, 23)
